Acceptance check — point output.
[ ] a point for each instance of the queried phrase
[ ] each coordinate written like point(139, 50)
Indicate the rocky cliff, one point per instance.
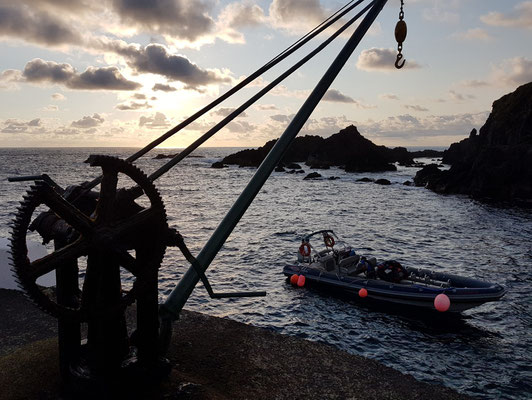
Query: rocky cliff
point(496, 163)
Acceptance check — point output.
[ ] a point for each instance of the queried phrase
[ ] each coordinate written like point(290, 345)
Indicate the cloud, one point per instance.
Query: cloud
point(88, 122)
point(180, 19)
point(389, 96)
point(9, 78)
point(474, 83)
point(296, 16)
point(156, 59)
point(133, 105)
point(415, 107)
point(404, 126)
point(36, 26)
point(459, 96)
point(58, 97)
point(107, 78)
point(50, 107)
point(282, 90)
point(103, 78)
point(39, 70)
point(281, 118)
point(157, 120)
point(473, 34)
point(376, 59)
point(66, 131)
point(139, 96)
point(225, 111)
point(266, 107)
point(162, 87)
point(241, 127)
point(16, 126)
point(335, 96)
point(241, 15)
point(440, 14)
point(411, 128)
point(236, 16)
point(519, 17)
point(513, 72)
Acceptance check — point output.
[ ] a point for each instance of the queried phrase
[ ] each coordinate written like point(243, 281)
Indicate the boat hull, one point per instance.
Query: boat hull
point(464, 293)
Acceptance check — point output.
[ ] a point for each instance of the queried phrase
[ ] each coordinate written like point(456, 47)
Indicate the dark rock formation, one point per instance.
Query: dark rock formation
point(495, 164)
point(333, 178)
point(293, 166)
point(312, 175)
point(365, 180)
point(162, 156)
point(428, 173)
point(407, 183)
point(461, 150)
point(346, 148)
point(427, 154)
point(218, 164)
point(279, 169)
point(383, 181)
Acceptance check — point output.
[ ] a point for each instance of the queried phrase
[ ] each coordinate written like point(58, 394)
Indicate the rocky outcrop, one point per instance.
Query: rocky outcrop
point(312, 175)
point(429, 173)
point(347, 148)
point(495, 163)
point(427, 153)
point(218, 165)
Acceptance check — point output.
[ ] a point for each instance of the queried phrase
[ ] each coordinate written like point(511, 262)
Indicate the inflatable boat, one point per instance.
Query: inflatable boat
point(340, 268)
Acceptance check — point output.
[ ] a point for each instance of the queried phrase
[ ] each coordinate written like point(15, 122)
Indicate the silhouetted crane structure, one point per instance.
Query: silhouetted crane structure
point(124, 230)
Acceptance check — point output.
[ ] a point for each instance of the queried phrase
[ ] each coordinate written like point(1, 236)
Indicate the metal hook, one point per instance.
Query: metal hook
point(399, 57)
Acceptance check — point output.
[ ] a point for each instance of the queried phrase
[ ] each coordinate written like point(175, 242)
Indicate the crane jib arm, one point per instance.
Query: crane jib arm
point(180, 294)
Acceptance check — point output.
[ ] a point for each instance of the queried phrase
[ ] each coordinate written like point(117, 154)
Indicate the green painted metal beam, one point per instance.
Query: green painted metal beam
point(179, 296)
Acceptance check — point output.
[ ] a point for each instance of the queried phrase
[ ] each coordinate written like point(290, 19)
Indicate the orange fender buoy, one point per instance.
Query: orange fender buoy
point(363, 292)
point(301, 281)
point(293, 279)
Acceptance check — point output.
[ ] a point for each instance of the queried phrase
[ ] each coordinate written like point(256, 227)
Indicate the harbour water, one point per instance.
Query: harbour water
point(485, 353)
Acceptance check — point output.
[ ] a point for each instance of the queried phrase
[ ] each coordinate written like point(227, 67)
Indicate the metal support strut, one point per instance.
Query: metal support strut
point(179, 295)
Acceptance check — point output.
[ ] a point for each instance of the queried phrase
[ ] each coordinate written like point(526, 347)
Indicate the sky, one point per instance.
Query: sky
point(123, 72)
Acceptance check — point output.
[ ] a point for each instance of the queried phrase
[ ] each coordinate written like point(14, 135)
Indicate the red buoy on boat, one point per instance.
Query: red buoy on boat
point(442, 302)
point(301, 281)
point(293, 279)
point(363, 292)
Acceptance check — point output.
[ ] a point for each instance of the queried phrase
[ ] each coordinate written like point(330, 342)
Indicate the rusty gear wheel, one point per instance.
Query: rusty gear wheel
point(110, 230)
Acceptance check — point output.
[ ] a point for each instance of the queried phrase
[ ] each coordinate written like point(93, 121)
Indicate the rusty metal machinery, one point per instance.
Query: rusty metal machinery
point(117, 236)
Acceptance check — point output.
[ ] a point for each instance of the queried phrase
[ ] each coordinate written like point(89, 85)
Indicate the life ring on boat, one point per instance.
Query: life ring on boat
point(304, 249)
point(329, 240)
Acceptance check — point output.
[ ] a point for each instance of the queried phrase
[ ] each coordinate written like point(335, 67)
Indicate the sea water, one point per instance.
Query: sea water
point(485, 353)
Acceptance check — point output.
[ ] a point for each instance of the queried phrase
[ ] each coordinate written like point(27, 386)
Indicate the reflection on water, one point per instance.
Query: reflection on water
point(484, 353)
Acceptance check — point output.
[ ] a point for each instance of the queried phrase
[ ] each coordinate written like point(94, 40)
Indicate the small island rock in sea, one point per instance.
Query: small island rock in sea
point(496, 163)
point(347, 149)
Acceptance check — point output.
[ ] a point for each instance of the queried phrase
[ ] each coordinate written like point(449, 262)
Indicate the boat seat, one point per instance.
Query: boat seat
point(346, 262)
